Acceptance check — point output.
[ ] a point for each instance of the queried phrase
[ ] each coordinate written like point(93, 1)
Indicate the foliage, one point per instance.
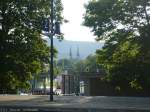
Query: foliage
point(66, 64)
point(76, 65)
point(87, 65)
point(22, 50)
point(79, 66)
point(124, 25)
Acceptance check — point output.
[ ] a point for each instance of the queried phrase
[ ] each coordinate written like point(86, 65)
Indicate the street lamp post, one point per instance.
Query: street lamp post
point(52, 52)
point(51, 31)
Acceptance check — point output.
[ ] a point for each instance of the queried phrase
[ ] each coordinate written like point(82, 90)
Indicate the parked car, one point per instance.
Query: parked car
point(57, 91)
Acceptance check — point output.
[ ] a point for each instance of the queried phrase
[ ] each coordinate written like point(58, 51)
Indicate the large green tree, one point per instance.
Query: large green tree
point(124, 25)
point(22, 50)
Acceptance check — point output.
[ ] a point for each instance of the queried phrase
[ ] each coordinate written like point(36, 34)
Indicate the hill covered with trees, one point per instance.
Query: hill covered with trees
point(65, 47)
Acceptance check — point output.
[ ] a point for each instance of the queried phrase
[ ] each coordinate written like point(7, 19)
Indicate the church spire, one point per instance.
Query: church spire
point(78, 53)
point(70, 53)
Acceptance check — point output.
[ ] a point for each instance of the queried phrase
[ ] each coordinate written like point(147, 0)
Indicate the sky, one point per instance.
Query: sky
point(74, 30)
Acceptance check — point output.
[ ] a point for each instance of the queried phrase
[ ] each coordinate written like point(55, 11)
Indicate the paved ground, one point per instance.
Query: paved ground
point(98, 102)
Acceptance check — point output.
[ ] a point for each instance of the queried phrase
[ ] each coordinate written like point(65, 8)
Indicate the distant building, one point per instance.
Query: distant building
point(85, 83)
point(40, 84)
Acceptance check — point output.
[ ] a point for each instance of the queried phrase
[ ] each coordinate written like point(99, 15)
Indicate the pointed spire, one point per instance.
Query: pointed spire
point(70, 53)
point(78, 53)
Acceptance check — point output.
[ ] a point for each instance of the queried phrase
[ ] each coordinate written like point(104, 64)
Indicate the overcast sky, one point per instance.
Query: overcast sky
point(74, 30)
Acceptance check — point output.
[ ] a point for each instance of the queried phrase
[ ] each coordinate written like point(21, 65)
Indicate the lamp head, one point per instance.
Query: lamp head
point(45, 25)
point(57, 28)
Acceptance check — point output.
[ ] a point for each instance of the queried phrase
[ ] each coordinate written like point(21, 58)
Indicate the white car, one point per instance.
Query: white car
point(58, 91)
point(24, 94)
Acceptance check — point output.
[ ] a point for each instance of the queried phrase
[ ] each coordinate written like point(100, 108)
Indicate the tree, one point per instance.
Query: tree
point(79, 66)
point(104, 16)
point(66, 64)
point(87, 65)
point(22, 49)
point(124, 25)
point(91, 64)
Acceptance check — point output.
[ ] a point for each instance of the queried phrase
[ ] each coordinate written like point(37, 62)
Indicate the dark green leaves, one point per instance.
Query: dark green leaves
point(124, 25)
point(22, 50)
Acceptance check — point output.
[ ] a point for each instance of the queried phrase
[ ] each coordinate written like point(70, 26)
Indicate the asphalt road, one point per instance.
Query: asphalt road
point(96, 102)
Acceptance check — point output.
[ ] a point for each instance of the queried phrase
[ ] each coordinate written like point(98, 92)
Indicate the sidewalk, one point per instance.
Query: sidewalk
point(77, 102)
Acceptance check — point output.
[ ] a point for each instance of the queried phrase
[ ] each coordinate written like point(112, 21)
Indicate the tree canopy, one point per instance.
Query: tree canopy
point(124, 26)
point(22, 50)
